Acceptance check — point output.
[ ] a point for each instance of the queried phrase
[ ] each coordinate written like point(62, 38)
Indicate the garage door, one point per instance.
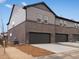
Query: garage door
point(39, 38)
point(76, 37)
point(61, 37)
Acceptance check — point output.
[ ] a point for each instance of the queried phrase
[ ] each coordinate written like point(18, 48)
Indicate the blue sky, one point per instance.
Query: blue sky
point(65, 8)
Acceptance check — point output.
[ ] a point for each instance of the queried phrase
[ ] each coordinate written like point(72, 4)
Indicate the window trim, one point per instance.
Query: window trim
point(45, 17)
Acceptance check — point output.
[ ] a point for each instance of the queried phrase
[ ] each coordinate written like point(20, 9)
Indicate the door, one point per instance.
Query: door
point(36, 38)
point(76, 37)
point(61, 37)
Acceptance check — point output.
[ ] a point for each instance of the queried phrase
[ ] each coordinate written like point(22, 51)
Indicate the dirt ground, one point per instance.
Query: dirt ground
point(31, 52)
point(15, 53)
point(34, 51)
point(2, 55)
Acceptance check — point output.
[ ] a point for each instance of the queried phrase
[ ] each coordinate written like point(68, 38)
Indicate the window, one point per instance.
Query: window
point(42, 18)
point(39, 17)
point(76, 25)
point(57, 22)
point(61, 22)
point(64, 23)
point(45, 17)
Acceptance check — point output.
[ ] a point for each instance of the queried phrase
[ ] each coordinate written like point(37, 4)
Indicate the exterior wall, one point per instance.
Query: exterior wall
point(18, 17)
point(18, 33)
point(63, 26)
point(69, 24)
point(59, 21)
point(21, 33)
point(67, 27)
point(68, 30)
point(33, 14)
point(64, 23)
point(37, 27)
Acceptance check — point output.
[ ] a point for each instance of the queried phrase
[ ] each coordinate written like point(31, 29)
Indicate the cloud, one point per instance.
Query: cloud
point(23, 3)
point(2, 1)
point(8, 5)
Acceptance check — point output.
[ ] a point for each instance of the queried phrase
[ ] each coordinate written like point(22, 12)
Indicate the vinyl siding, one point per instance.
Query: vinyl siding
point(18, 16)
point(64, 22)
point(32, 14)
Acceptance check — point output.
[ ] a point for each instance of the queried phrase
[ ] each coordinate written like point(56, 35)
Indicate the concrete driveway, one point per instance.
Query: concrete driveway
point(72, 44)
point(55, 47)
point(62, 52)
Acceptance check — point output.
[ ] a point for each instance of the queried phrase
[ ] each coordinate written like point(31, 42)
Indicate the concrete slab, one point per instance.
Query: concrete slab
point(14, 53)
point(72, 44)
point(55, 47)
point(66, 55)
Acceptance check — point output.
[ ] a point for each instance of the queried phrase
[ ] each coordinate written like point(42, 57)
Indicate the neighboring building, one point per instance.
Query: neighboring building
point(37, 23)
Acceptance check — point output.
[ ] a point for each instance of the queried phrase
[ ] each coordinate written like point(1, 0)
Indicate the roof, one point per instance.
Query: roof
point(38, 4)
point(67, 19)
point(11, 14)
point(25, 7)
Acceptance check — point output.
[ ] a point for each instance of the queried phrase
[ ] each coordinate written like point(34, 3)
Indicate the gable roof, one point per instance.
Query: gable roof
point(11, 14)
point(66, 19)
point(39, 4)
point(25, 7)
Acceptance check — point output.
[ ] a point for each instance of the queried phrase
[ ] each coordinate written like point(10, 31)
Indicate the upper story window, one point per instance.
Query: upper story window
point(75, 25)
point(64, 23)
point(39, 17)
point(57, 22)
point(42, 18)
point(45, 17)
point(78, 25)
point(61, 22)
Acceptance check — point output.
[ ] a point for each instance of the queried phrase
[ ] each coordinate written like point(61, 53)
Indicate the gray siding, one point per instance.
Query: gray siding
point(18, 16)
point(33, 14)
point(65, 23)
point(18, 32)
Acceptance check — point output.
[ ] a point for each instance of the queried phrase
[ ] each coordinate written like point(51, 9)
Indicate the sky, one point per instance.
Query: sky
point(65, 8)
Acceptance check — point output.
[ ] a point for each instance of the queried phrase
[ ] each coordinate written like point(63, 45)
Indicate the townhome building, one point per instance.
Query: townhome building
point(37, 23)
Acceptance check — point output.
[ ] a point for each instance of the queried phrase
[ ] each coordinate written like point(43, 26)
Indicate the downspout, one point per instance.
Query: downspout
point(26, 39)
point(55, 28)
point(25, 24)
